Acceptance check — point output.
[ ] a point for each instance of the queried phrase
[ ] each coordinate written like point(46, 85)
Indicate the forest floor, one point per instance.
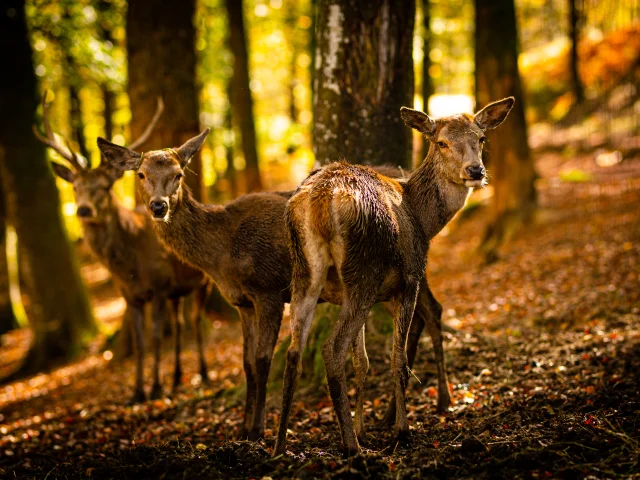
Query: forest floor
point(544, 367)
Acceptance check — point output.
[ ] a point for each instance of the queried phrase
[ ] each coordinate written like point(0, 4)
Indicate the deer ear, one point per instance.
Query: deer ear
point(118, 157)
point(417, 120)
point(494, 114)
point(191, 146)
point(63, 172)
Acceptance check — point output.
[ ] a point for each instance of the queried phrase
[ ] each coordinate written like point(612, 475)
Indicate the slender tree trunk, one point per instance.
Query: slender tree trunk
point(510, 163)
point(575, 12)
point(107, 98)
point(7, 317)
point(230, 173)
point(427, 82)
point(162, 63)
point(61, 315)
point(364, 75)
point(76, 121)
point(75, 112)
point(241, 100)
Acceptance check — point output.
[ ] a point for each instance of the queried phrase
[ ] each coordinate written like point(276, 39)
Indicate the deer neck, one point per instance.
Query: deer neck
point(111, 231)
point(195, 232)
point(434, 198)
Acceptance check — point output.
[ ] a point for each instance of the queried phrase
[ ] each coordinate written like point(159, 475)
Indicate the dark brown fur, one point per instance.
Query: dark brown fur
point(375, 232)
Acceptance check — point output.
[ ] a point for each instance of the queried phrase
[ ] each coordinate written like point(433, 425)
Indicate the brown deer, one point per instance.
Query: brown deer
point(243, 247)
point(142, 269)
point(375, 232)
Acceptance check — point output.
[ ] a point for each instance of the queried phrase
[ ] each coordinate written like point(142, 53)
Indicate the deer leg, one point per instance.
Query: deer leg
point(197, 313)
point(361, 367)
point(433, 322)
point(269, 319)
point(415, 331)
point(249, 332)
point(399, 364)
point(159, 315)
point(303, 304)
point(135, 318)
point(334, 352)
point(177, 320)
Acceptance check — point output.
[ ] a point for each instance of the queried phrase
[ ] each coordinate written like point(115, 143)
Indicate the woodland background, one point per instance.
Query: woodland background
point(538, 276)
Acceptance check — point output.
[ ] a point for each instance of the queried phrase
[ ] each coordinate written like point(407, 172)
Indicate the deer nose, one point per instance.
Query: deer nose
point(158, 208)
point(83, 211)
point(475, 172)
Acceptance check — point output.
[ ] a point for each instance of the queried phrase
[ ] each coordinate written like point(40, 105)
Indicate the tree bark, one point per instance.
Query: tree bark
point(427, 82)
point(241, 100)
point(575, 11)
point(61, 315)
point(364, 72)
point(162, 62)
point(510, 161)
point(7, 317)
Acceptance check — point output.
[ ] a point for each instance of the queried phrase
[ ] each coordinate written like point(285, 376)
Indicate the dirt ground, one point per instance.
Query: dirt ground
point(544, 366)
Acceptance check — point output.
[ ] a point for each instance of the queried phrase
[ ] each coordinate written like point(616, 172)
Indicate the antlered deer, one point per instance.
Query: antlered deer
point(243, 247)
point(142, 269)
point(375, 232)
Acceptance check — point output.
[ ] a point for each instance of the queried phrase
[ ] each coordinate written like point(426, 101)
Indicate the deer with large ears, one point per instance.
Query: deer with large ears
point(375, 231)
point(243, 246)
point(142, 269)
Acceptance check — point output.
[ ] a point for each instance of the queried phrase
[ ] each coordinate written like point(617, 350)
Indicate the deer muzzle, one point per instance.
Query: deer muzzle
point(84, 212)
point(159, 208)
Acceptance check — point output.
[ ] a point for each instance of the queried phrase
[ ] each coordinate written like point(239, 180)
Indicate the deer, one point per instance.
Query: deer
point(142, 269)
point(374, 231)
point(243, 247)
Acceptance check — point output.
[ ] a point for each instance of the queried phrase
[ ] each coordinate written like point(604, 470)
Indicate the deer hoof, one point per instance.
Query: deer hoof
point(138, 397)
point(255, 435)
point(351, 450)
point(364, 438)
point(402, 434)
point(389, 418)
point(156, 392)
point(444, 403)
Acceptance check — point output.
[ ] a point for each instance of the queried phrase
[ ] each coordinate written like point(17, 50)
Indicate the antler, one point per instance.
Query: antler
point(50, 140)
point(152, 124)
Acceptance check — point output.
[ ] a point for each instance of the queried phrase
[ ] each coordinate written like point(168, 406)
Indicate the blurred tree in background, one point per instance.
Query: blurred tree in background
point(510, 162)
point(7, 317)
point(61, 318)
point(162, 63)
point(240, 93)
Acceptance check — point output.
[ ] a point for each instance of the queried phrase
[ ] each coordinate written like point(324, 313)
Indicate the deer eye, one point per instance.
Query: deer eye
point(141, 175)
point(179, 176)
point(482, 140)
point(442, 145)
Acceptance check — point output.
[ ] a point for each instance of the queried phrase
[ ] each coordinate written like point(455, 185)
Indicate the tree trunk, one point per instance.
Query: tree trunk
point(364, 75)
point(62, 318)
point(427, 82)
point(241, 100)
point(107, 98)
point(7, 317)
point(574, 36)
point(162, 63)
point(510, 161)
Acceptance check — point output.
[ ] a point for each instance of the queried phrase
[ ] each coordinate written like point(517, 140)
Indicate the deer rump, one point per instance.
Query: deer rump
point(355, 211)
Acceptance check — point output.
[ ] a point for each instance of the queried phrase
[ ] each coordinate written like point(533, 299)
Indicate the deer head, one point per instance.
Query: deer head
point(457, 142)
point(160, 172)
point(92, 187)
